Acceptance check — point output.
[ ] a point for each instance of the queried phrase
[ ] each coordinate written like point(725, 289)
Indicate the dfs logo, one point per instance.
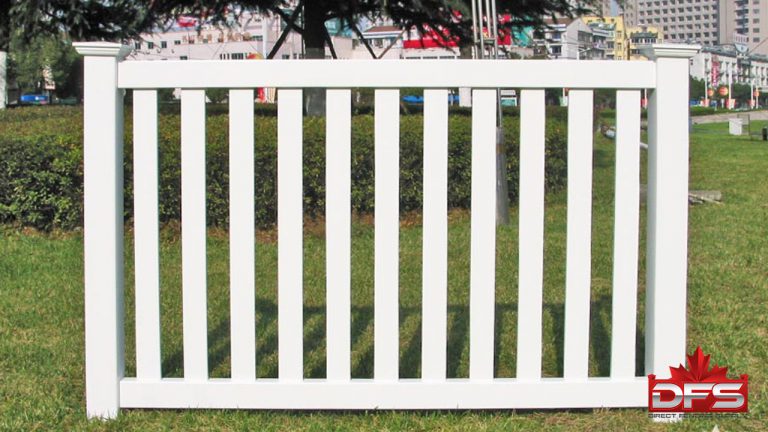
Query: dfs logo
point(698, 389)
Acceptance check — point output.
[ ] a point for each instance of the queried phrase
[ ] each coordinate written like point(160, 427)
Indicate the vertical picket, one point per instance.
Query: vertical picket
point(531, 229)
point(146, 230)
point(193, 235)
point(483, 233)
point(338, 239)
point(434, 302)
point(387, 224)
point(290, 235)
point(626, 237)
point(242, 235)
point(578, 244)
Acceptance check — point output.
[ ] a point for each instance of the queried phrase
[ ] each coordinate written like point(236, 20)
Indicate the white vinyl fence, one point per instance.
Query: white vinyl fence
point(106, 78)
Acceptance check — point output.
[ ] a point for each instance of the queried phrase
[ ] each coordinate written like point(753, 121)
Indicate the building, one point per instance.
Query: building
point(640, 37)
point(744, 22)
point(683, 20)
point(618, 41)
point(724, 66)
point(253, 36)
point(565, 38)
point(709, 22)
point(617, 36)
point(716, 64)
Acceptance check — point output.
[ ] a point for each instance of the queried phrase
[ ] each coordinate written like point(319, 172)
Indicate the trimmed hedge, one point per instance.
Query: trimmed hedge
point(41, 166)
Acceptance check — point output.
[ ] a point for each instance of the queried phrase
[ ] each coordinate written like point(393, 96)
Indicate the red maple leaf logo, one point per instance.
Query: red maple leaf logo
point(698, 369)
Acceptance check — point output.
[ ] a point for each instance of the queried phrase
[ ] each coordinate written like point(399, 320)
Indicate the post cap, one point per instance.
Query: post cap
point(102, 49)
point(670, 50)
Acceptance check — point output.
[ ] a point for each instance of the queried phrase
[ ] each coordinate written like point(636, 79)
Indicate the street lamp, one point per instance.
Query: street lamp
point(729, 68)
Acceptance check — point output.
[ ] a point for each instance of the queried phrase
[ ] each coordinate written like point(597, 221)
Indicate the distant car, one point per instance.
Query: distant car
point(413, 99)
point(34, 99)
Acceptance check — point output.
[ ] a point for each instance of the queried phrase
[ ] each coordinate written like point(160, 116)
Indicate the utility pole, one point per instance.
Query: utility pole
point(485, 10)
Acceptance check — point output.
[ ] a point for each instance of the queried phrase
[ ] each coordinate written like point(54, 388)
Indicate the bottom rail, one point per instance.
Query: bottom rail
point(500, 393)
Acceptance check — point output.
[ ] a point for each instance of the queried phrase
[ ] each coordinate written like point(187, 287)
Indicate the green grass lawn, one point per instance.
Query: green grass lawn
point(41, 310)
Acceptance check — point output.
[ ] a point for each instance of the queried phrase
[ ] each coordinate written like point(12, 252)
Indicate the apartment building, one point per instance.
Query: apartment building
point(620, 41)
point(709, 22)
point(721, 65)
point(640, 37)
point(683, 20)
point(616, 40)
point(253, 36)
point(565, 38)
point(744, 22)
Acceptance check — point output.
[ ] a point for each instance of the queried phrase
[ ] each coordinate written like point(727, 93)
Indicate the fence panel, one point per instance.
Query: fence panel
point(108, 390)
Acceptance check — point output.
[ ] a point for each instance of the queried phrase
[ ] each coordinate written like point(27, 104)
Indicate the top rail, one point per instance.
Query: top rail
point(193, 74)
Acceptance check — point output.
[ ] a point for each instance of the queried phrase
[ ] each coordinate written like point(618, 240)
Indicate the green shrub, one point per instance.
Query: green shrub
point(41, 167)
point(41, 184)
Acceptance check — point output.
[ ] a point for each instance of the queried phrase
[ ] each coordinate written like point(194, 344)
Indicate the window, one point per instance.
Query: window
point(757, 39)
point(137, 45)
point(150, 45)
point(756, 20)
point(183, 58)
point(237, 56)
point(286, 56)
point(163, 44)
point(756, 30)
point(177, 42)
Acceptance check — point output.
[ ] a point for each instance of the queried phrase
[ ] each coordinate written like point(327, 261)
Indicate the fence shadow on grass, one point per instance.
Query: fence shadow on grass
point(410, 350)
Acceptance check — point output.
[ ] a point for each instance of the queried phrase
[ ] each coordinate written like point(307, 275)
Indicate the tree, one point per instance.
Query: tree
point(696, 88)
point(47, 56)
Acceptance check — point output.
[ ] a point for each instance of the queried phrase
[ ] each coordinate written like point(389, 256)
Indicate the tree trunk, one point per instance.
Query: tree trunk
point(3, 79)
point(314, 48)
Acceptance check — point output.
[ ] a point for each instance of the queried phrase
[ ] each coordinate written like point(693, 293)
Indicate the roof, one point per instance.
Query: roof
point(564, 21)
point(643, 35)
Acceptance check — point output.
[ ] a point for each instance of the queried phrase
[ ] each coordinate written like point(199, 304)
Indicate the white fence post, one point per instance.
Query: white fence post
point(667, 242)
point(103, 227)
